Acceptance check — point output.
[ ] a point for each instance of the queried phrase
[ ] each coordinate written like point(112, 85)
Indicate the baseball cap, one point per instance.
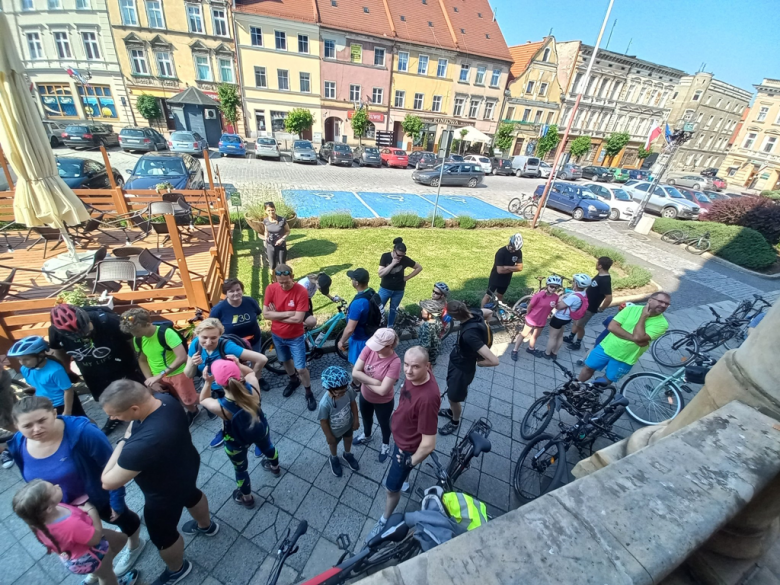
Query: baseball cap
point(359, 274)
point(223, 370)
point(383, 338)
point(324, 281)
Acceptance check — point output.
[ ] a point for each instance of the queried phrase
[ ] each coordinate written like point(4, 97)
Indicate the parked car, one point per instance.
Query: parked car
point(573, 199)
point(569, 172)
point(180, 170)
point(267, 148)
point(719, 183)
point(622, 206)
point(544, 169)
point(84, 173)
point(89, 135)
point(501, 166)
point(416, 155)
point(336, 153)
point(303, 151)
point(709, 172)
point(394, 157)
point(188, 142)
point(620, 175)
point(367, 156)
point(232, 145)
point(697, 197)
point(693, 181)
point(482, 161)
point(597, 173)
point(639, 174)
point(455, 158)
point(427, 161)
point(665, 200)
point(133, 138)
point(526, 166)
point(454, 174)
point(715, 196)
point(54, 130)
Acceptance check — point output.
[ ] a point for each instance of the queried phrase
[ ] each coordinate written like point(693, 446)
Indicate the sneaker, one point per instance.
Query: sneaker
point(129, 578)
point(335, 466)
point(384, 453)
point(218, 439)
point(568, 338)
point(239, 499)
point(290, 388)
point(533, 352)
point(7, 460)
point(89, 579)
point(405, 487)
point(377, 529)
point(264, 385)
point(549, 356)
point(351, 461)
point(127, 558)
point(169, 577)
point(446, 412)
point(311, 402)
point(110, 425)
point(580, 362)
point(258, 452)
point(361, 439)
point(266, 464)
point(575, 345)
point(191, 416)
point(191, 527)
point(514, 355)
point(449, 428)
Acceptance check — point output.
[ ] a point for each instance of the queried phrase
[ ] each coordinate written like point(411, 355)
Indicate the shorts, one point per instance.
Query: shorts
point(182, 388)
point(496, 289)
point(557, 323)
point(347, 435)
point(397, 474)
point(584, 321)
point(90, 562)
point(613, 369)
point(458, 383)
point(291, 349)
point(162, 518)
point(355, 347)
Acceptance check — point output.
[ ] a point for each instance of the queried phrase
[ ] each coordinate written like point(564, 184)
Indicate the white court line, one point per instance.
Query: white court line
point(359, 198)
point(432, 203)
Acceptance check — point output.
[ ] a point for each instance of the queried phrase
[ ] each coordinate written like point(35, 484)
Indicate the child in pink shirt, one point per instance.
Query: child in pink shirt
point(539, 309)
point(76, 535)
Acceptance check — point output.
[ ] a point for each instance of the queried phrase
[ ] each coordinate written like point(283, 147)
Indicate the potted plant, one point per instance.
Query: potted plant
point(166, 186)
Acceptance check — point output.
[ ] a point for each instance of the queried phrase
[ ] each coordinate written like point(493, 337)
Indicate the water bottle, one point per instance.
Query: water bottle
point(320, 337)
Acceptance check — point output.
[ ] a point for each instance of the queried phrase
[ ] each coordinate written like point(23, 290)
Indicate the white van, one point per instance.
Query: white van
point(526, 166)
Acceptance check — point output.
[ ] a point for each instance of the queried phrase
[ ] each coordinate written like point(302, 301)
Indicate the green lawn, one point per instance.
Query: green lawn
point(461, 258)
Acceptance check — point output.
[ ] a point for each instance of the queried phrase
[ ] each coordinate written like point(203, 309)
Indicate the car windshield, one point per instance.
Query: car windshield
point(371, 150)
point(621, 195)
point(303, 145)
point(544, 165)
point(437, 168)
point(505, 162)
point(231, 139)
point(702, 198)
point(69, 169)
point(76, 130)
point(456, 158)
point(428, 156)
point(133, 132)
point(341, 147)
point(399, 152)
point(185, 136)
point(266, 141)
point(159, 167)
point(674, 193)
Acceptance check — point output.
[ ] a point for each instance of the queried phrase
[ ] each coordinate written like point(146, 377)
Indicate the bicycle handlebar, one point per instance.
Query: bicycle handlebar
point(300, 531)
point(714, 312)
point(569, 374)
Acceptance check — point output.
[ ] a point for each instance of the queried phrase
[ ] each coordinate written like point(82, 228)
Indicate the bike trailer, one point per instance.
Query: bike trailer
point(465, 509)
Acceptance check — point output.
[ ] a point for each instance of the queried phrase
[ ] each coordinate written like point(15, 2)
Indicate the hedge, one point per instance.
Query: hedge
point(740, 245)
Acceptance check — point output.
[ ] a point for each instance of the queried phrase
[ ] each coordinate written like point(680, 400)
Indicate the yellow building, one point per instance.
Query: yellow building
point(754, 160)
point(165, 47)
point(535, 93)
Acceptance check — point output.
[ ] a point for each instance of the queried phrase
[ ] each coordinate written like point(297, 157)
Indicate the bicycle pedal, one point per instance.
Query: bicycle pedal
point(343, 541)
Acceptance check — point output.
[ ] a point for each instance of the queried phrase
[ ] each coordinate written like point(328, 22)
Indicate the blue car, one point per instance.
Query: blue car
point(232, 144)
point(578, 202)
point(83, 173)
point(182, 171)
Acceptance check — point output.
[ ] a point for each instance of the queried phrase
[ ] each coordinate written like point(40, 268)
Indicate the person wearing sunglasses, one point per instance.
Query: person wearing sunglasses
point(285, 305)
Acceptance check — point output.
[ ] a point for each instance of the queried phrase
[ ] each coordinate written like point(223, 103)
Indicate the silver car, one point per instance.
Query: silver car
point(267, 147)
point(544, 169)
point(303, 151)
point(188, 142)
point(695, 182)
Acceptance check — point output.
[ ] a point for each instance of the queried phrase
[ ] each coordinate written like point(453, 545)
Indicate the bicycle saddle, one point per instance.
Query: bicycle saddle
point(395, 530)
point(481, 444)
point(620, 400)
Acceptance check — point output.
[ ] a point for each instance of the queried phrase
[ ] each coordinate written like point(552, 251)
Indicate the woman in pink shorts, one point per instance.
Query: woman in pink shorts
point(539, 309)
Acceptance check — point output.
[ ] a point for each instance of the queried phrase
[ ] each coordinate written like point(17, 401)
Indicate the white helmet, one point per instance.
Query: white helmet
point(582, 280)
point(516, 241)
point(554, 279)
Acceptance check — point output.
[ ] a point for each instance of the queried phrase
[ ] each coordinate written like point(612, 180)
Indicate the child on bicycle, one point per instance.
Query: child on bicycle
point(539, 309)
point(338, 416)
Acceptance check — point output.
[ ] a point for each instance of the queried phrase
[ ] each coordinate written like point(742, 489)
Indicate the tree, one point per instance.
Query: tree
point(616, 142)
point(642, 154)
point(298, 120)
point(412, 126)
point(462, 133)
point(548, 142)
point(360, 123)
point(148, 107)
point(580, 146)
point(229, 102)
point(504, 137)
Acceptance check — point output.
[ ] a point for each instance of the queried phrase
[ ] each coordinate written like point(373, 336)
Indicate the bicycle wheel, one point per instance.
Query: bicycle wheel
point(742, 310)
point(539, 415)
point(698, 246)
point(653, 398)
point(529, 211)
point(446, 329)
point(514, 205)
point(675, 348)
point(740, 335)
point(522, 304)
point(269, 350)
point(342, 355)
point(540, 468)
point(673, 236)
point(714, 335)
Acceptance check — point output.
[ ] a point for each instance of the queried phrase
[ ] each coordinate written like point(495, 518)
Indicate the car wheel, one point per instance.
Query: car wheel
point(518, 173)
point(330, 160)
point(434, 182)
point(564, 177)
point(495, 171)
point(697, 187)
point(670, 182)
point(578, 214)
point(473, 182)
point(53, 141)
point(669, 213)
point(120, 182)
point(614, 215)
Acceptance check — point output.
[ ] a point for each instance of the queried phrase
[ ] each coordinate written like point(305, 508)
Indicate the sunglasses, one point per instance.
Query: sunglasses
point(283, 272)
point(436, 292)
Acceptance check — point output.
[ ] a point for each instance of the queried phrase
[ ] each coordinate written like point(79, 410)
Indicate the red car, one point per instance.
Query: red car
point(393, 157)
point(719, 183)
point(699, 198)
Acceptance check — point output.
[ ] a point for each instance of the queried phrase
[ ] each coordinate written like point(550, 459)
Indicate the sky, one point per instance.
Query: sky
point(737, 39)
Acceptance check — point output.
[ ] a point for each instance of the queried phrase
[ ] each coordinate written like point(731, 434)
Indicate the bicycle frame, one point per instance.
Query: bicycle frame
point(327, 328)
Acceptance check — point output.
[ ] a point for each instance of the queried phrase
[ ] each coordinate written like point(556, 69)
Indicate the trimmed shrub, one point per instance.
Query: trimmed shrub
point(439, 222)
point(466, 222)
point(741, 245)
point(775, 195)
point(372, 222)
point(760, 214)
point(338, 220)
point(406, 220)
point(501, 223)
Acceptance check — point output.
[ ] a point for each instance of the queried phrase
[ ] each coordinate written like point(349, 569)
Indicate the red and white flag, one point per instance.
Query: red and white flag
point(655, 132)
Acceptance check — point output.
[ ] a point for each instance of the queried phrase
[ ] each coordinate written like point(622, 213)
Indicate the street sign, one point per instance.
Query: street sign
point(384, 138)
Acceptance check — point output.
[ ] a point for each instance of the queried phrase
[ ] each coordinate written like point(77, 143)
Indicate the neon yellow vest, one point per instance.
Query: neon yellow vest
point(465, 509)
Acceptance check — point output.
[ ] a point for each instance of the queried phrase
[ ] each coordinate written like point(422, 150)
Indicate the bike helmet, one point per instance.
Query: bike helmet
point(516, 241)
point(32, 345)
point(334, 377)
point(442, 287)
point(582, 280)
point(554, 279)
point(70, 319)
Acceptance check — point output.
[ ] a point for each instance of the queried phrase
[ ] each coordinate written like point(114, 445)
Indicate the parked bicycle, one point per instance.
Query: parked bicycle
point(522, 303)
point(406, 322)
point(543, 465)
point(508, 317)
point(474, 443)
point(524, 206)
point(695, 244)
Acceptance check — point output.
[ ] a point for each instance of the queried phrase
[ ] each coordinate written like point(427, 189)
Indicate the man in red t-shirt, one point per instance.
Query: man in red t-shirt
point(414, 426)
point(286, 303)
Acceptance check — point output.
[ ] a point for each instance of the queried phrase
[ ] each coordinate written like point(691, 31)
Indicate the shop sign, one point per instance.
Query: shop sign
point(372, 116)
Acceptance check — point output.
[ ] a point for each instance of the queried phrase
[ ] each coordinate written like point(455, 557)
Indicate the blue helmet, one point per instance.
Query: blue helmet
point(32, 345)
point(334, 377)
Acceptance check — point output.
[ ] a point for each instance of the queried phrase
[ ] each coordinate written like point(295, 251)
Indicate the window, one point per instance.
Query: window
point(260, 120)
point(441, 68)
point(769, 144)
point(356, 53)
point(762, 113)
point(27, 5)
point(226, 70)
point(530, 87)
point(546, 55)
point(82, 5)
point(194, 18)
point(709, 99)
point(422, 65)
point(458, 109)
point(418, 101)
point(57, 101)
point(489, 108)
point(480, 78)
point(154, 14)
point(138, 62)
point(403, 61)
point(63, 45)
point(709, 122)
point(303, 44)
point(697, 95)
point(377, 95)
point(473, 108)
point(203, 68)
point(330, 90)
point(305, 81)
point(164, 64)
point(91, 48)
point(538, 117)
point(281, 40)
point(260, 79)
point(526, 114)
point(330, 49)
point(283, 79)
point(379, 56)
point(550, 117)
point(464, 73)
point(219, 17)
point(542, 89)
point(277, 121)
point(34, 46)
point(494, 79)
point(749, 140)
point(436, 105)
point(510, 113)
point(256, 36)
point(400, 98)
point(55, 5)
point(98, 102)
point(354, 93)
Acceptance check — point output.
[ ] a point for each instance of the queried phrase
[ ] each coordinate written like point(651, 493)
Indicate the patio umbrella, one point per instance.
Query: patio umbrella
point(474, 135)
point(41, 196)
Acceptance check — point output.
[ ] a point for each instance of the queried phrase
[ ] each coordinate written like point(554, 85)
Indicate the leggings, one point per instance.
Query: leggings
point(276, 255)
point(237, 453)
point(383, 412)
point(128, 521)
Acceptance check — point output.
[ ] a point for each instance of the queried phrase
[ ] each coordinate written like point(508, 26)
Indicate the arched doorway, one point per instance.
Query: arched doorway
point(333, 129)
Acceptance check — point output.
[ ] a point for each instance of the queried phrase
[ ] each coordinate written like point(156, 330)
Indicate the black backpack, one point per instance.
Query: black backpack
point(478, 323)
point(162, 327)
point(374, 319)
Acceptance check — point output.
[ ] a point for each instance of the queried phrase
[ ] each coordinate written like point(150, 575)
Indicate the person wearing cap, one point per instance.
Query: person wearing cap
point(239, 313)
point(312, 283)
point(432, 313)
point(357, 315)
point(245, 422)
point(377, 369)
point(338, 416)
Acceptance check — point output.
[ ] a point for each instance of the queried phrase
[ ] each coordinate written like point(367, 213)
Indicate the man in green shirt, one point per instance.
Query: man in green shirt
point(630, 334)
point(162, 366)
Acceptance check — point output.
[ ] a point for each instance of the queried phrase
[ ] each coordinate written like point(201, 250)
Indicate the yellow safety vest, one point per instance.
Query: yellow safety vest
point(465, 509)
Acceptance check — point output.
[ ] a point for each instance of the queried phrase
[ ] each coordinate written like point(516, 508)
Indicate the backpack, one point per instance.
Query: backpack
point(162, 327)
point(477, 323)
point(374, 318)
point(579, 313)
point(222, 343)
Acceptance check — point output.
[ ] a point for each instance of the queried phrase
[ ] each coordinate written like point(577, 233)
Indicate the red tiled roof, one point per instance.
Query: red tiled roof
point(300, 10)
point(522, 55)
point(415, 26)
point(351, 15)
point(475, 30)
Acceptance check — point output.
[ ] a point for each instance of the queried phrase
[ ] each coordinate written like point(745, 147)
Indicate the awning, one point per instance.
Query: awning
point(473, 135)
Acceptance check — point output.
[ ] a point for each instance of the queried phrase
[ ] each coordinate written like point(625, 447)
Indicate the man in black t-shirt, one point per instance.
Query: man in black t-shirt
point(508, 260)
point(157, 452)
point(471, 350)
point(393, 282)
point(599, 295)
